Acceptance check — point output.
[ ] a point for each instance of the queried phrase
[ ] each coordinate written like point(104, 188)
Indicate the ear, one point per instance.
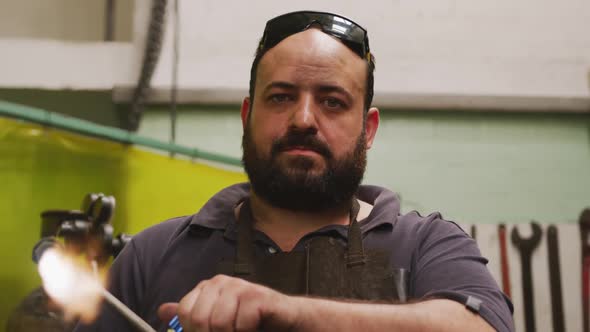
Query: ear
point(244, 111)
point(371, 125)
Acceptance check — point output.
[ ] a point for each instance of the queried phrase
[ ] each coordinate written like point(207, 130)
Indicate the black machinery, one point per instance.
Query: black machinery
point(85, 231)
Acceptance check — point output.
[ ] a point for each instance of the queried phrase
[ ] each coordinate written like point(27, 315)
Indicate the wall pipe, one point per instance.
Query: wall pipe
point(88, 128)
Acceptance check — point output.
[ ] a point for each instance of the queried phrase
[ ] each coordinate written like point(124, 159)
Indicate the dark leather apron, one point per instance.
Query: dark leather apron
point(326, 268)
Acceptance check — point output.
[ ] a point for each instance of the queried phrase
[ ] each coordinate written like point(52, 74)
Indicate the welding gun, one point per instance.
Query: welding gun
point(86, 231)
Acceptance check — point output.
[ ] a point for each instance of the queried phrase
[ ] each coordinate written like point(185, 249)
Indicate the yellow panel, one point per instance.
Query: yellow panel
point(43, 168)
point(161, 187)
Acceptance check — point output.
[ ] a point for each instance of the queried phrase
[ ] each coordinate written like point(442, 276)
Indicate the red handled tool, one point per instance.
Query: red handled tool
point(505, 268)
point(585, 232)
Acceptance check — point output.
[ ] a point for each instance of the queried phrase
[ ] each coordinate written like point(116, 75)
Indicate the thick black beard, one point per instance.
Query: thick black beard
point(296, 188)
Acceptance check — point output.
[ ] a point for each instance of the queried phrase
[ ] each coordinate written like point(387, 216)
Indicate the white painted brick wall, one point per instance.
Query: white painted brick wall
point(52, 64)
point(450, 47)
point(531, 48)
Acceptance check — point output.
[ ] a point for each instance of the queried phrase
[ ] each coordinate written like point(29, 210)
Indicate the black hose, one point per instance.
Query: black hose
point(151, 56)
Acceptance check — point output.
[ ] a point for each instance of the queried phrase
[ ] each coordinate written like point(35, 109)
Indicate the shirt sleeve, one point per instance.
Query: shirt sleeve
point(449, 265)
point(125, 283)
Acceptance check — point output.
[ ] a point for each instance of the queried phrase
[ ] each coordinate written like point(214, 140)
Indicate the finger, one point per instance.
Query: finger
point(185, 306)
point(167, 311)
point(201, 310)
point(247, 315)
point(223, 313)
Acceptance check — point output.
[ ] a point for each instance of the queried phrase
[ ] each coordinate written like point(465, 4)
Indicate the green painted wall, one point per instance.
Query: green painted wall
point(473, 167)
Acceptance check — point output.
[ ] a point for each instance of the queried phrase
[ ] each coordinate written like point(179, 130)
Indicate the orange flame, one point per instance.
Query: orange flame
point(70, 285)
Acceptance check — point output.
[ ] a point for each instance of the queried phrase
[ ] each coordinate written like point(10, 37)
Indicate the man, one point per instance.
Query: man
point(303, 247)
point(37, 313)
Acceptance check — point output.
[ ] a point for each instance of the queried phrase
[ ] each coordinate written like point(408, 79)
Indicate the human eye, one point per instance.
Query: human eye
point(280, 98)
point(333, 103)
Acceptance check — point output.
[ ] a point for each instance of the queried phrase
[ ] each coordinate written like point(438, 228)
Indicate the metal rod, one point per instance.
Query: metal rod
point(174, 89)
point(109, 20)
point(128, 313)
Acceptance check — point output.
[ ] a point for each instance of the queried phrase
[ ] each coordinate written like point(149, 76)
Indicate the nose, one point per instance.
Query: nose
point(304, 115)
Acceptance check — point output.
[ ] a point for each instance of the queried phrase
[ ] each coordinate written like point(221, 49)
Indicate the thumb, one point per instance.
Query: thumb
point(167, 311)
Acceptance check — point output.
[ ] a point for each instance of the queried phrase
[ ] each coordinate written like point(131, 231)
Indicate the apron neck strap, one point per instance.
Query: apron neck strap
point(244, 262)
point(356, 253)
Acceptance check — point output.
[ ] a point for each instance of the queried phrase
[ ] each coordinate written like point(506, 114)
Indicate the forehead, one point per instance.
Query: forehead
point(313, 57)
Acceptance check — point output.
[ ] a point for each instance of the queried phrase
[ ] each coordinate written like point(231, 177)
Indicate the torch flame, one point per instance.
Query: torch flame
point(70, 285)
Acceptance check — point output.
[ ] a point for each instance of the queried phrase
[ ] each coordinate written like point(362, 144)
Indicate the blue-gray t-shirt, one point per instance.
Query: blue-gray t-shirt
point(165, 262)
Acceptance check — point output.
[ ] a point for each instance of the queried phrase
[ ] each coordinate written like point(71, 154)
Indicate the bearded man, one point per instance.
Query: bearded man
point(303, 246)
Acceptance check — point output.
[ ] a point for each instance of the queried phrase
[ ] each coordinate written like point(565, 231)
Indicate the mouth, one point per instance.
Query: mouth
point(300, 150)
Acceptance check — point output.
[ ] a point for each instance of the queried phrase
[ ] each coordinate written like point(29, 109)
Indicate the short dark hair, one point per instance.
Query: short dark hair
point(369, 86)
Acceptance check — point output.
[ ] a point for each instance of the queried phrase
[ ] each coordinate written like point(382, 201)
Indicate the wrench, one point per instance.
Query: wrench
point(555, 280)
point(526, 246)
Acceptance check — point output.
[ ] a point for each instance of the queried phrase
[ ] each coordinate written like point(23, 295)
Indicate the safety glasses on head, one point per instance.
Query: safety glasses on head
point(351, 34)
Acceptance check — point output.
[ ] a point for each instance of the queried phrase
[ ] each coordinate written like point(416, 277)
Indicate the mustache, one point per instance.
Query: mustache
point(303, 140)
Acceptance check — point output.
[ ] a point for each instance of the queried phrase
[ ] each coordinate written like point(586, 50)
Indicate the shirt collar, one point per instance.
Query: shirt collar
point(218, 212)
point(386, 207)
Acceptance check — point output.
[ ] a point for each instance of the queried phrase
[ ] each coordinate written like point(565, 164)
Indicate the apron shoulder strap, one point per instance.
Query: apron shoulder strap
point(356, 253)
point(244, 262)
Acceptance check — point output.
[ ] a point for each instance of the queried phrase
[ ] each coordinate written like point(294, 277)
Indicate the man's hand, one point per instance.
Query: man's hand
point(230, 304)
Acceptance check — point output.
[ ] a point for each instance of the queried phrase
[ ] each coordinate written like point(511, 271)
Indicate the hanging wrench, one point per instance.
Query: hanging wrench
point(526, 246)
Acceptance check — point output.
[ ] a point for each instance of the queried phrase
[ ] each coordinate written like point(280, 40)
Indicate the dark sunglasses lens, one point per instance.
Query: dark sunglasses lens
point(289, 24)
point(283, 27)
